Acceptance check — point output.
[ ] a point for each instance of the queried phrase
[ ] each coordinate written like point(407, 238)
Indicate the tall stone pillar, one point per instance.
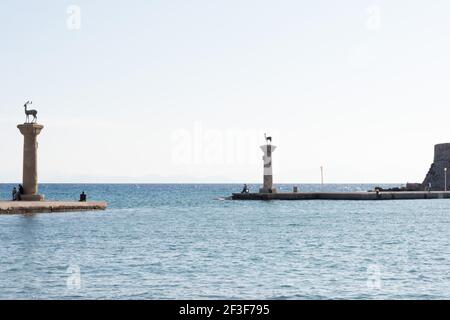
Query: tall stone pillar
point(268, 177)
point(30, 132)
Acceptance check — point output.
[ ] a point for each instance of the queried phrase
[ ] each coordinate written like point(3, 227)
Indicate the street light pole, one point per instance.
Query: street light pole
point(321, 175)
point(445, 179)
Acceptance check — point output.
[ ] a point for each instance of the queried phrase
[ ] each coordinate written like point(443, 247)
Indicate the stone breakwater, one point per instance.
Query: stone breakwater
point(26, 207)
point(404, 195)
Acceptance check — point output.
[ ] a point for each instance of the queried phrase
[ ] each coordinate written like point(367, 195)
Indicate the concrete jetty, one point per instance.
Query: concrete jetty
point(31, 207)
point(406, 195)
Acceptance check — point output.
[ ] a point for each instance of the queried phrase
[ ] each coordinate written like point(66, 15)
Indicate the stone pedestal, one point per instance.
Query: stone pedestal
point(30, 132)
point(268, 177)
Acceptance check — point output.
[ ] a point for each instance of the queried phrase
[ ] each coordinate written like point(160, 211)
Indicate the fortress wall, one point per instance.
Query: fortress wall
point(436, 174)
point(442, 152)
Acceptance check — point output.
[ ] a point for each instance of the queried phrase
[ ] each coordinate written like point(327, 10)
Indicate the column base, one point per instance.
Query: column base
point(31, 197)
point(268, 190)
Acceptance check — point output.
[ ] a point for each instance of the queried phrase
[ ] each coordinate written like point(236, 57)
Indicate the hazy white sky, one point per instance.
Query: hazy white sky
point(182, 91)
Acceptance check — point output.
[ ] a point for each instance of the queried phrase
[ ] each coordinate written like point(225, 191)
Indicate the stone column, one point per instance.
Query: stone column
point(268, 177)
point(30, 132)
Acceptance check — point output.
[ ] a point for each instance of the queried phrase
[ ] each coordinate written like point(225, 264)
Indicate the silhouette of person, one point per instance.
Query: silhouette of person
point(83, 197)
point(21, 191)
point(14, 194)
point(245, 189)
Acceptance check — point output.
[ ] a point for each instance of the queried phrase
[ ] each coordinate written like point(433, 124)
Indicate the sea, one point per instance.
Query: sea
point(189, 241)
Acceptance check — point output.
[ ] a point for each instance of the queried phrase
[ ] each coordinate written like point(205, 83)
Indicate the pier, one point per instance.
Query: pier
point(403, 195)
point(31, 207)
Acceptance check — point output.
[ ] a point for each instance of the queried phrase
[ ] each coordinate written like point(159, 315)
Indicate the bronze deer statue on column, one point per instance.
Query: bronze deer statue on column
point(30, 112)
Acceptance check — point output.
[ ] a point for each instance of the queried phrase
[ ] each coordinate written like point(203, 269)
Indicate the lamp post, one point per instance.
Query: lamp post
point(445, 179)
point(321, 175)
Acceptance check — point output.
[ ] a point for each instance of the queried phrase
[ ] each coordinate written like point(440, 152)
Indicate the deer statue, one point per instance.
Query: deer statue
point(268, 139)
point(30, 112)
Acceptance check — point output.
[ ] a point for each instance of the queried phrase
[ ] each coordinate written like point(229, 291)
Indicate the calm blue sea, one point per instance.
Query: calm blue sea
point(188, 242)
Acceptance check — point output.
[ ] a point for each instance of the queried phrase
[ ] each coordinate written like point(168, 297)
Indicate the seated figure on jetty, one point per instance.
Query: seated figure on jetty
point(83, 197)
point(245, 189)
point(14, 194)
point(20, 193)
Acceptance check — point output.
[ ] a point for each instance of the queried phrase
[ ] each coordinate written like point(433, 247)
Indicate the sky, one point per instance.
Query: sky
point(183, 91)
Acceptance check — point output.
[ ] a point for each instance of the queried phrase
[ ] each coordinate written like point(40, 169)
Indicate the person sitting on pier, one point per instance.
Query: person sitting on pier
point(14, 194)
point(21, 191)
point(245, 189)
point(83, 197)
